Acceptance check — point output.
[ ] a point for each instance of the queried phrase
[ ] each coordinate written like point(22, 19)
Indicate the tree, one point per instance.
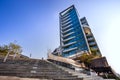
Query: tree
point(86, 58)
point(12, 48)
point(15, 48)
point(4, 49)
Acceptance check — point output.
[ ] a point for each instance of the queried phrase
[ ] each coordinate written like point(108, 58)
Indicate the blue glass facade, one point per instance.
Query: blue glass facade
point(72, 38)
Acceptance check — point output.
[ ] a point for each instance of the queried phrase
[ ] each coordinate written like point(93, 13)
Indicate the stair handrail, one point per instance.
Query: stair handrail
point(65, 60)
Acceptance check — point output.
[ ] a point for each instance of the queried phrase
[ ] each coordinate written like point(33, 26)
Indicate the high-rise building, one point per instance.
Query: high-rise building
point(72, 37)
point(75, 34)
point(76, 38)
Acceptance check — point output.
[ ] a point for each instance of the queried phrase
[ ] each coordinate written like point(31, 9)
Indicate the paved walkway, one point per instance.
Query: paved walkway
point(18, 78)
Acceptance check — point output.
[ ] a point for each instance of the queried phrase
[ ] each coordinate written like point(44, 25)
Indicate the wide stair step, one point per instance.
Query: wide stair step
point(34, 68)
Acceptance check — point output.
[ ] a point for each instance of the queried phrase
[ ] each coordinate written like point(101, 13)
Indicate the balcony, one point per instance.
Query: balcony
point(73, 18)
point(63, 19)
point(94, 49)
point(67, 30)
point(90, 39)
point(67, 50)
point(92, 43)
point(89, 35)
point(65, 15)
point(68, 39)
point(69, 44)
point(67, 34)
point(67, 26)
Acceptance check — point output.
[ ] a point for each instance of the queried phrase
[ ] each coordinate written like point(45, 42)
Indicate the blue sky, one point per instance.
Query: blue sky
point(34, 24)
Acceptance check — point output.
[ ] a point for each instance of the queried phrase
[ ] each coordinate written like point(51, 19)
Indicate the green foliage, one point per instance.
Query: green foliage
point(3, 50)
point(12, 48)
point(15, 48)
point(86, 58)
point(117, 79)
point(94, 52)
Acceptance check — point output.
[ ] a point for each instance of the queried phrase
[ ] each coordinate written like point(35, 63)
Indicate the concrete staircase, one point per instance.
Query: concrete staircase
point(34, 68)
point(81, 73)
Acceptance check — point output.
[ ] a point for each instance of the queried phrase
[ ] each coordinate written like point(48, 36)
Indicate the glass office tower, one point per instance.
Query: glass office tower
point(72, 37)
